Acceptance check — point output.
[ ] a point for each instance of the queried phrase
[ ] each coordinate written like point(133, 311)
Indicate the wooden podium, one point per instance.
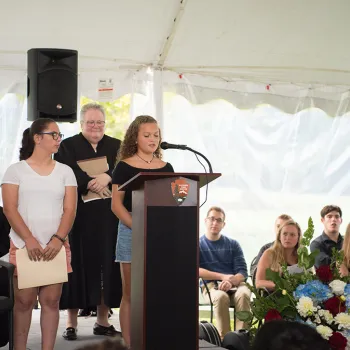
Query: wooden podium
point(165, 259)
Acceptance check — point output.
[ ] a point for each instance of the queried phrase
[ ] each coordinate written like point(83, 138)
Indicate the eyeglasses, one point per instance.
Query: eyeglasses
point(212, 219)
point(55, 135)
point(93, 122)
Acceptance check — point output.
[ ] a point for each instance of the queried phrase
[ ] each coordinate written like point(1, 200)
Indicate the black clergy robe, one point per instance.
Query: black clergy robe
point(94, 234)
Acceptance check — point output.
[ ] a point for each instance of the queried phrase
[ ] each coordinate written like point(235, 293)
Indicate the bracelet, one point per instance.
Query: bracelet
point(60, 238)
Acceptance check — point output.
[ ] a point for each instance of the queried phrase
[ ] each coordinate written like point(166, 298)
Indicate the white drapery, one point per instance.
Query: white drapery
point(280, 149)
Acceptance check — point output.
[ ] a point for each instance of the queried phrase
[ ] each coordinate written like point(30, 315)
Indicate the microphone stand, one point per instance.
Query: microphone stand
point(202, 155)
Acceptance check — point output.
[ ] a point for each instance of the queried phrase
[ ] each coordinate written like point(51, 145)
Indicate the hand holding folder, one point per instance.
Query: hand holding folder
point(40, 273)
point(93, 167)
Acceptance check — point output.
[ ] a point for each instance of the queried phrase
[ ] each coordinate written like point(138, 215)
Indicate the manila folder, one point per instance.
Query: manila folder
point(93, 166)
point(40, 273)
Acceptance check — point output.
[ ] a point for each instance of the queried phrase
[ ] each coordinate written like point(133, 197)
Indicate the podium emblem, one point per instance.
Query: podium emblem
point(179, 189)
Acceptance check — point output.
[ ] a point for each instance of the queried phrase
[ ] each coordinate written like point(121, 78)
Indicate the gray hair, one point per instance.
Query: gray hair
point(91, 105)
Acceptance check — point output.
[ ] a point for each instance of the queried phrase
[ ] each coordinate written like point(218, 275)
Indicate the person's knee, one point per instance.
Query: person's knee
point(50, 302)
point(243, 292)
point(221, 299)
point(25, 303)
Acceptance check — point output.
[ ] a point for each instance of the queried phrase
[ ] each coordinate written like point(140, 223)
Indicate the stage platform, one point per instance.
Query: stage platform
point(85, 335)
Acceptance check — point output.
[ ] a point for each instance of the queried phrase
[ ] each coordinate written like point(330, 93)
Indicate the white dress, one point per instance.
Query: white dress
point(40, 199)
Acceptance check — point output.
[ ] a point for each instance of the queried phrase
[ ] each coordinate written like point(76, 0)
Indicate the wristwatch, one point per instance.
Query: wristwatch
point(60, 238)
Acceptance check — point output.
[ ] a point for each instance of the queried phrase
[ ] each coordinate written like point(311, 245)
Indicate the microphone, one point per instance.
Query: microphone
point(166, 145)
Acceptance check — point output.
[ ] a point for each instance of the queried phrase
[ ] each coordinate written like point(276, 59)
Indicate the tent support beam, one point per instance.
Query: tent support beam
point(169, 40)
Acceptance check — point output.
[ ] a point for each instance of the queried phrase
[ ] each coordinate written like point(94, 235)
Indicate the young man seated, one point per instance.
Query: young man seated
point(331, 217)
point(223, 267)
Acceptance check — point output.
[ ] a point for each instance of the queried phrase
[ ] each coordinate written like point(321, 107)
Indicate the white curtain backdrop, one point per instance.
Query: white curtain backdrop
point(282, 149)
point(13, 118)
point(271, 162)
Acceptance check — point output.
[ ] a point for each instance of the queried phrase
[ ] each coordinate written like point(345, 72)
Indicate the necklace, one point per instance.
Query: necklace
point(146, 161)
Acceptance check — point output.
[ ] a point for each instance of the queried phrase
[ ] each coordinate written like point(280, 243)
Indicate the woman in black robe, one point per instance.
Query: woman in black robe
point(96, 276)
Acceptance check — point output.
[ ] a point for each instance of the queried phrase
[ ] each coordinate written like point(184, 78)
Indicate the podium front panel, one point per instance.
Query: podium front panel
point(164, 297)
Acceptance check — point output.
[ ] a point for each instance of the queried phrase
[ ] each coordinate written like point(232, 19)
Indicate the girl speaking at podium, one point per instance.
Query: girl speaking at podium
point(139, 152)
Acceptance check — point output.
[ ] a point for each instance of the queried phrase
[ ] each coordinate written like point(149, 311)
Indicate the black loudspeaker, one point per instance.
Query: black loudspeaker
point(52, 89)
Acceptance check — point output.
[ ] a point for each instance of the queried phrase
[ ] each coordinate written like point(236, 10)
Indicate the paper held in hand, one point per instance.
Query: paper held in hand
point(40, 273)
point(93, 166)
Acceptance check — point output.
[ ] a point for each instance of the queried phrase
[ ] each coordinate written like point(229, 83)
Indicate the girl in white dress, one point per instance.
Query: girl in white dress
point(39, 199)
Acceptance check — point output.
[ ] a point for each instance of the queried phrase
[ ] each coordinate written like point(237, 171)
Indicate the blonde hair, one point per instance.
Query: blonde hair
point(284, 217)
point(129, 146)
point(346, 247)
point(277, 250)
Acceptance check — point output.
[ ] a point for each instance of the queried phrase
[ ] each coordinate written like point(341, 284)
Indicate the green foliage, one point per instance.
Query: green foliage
point(337, 259)
point(117, 115)
point(281, 302)
point(281, 299)
point(305, 260)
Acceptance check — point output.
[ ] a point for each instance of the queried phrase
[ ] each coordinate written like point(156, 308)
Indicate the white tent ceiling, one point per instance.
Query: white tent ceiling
point(261, 41)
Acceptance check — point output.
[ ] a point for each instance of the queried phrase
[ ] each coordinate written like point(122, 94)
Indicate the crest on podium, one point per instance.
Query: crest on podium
point(179, 189)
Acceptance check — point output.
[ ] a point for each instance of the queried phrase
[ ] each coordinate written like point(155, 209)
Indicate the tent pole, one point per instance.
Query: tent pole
point(158, 98)
point(169, 40)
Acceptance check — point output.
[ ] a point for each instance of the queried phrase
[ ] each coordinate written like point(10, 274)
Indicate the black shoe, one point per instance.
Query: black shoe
point(107, 331)
point(70, 334)
point(84, 312)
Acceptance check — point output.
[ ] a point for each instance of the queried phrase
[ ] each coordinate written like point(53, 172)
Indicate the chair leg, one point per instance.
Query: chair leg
point(11, 330)
point(234, 320)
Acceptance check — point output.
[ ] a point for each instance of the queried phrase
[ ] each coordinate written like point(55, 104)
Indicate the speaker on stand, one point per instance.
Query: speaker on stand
point(52, 88)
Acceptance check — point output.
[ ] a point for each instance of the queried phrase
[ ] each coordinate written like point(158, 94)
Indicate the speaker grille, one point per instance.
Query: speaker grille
point(57, 88)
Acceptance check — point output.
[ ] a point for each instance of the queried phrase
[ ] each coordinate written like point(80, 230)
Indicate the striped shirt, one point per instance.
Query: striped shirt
point(223, 256)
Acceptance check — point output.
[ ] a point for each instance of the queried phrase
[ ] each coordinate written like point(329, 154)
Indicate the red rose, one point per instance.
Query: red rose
point(272, 314)
point(337, 341)
point(334, 305)
point(324, 273)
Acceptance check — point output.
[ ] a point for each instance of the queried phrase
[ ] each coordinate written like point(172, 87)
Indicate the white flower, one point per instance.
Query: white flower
point(337, 287)
point(317, 319)
point(343, 320)
point(306, 307)
point(325, 331)
point(326, 315)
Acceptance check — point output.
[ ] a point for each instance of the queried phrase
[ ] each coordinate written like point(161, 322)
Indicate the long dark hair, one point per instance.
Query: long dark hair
point(28, 143)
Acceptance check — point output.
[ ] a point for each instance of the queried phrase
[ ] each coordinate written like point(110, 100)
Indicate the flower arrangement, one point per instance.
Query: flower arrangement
point(321, 299)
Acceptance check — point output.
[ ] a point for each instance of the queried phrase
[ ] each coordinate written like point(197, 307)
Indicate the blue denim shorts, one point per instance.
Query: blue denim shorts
point(123, 252)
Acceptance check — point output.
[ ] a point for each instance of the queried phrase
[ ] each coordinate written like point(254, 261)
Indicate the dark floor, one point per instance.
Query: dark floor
point(85, 335)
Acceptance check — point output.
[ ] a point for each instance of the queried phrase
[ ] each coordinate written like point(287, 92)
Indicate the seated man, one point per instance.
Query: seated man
point(331, 217)
point(278, 223)
point(223, 267)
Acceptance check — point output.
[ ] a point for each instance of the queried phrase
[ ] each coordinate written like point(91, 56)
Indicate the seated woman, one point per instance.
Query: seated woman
point(345, 266)
point(283, 251)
